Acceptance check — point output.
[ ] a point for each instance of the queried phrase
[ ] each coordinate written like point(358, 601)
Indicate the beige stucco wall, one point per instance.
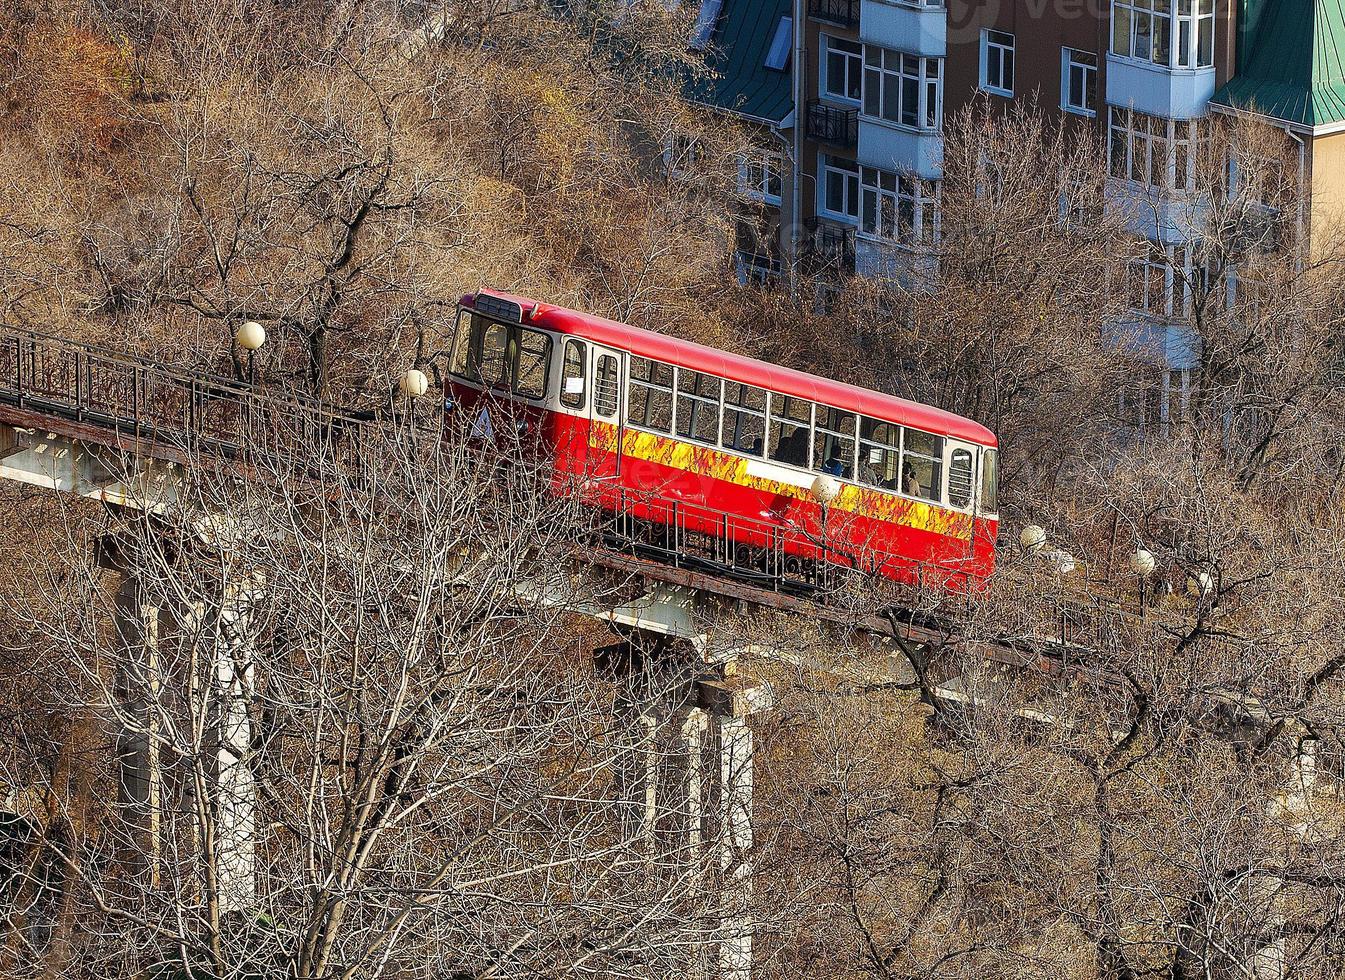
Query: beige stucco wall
point(1327, 189)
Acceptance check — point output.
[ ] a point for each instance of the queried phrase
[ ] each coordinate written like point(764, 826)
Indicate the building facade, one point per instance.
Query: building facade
point(872, 83)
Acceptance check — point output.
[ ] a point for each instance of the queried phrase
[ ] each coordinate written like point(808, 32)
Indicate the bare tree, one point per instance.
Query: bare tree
point(359, 735)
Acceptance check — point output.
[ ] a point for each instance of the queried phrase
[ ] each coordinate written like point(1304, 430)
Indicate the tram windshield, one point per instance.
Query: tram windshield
point(504, 356)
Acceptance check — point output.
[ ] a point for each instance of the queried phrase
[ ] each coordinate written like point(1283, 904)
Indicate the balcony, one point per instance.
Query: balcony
point(911, 27)
point(905, 149)
point(828, 248)
point(829, 124)
point(842, 13)
point(1173, 93)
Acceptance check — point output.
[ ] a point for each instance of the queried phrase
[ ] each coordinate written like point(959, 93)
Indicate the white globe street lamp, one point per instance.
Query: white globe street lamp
point(825, 489)
point(1033, 538)
point(413, 383)
point(250, 337)
point(1142, 563)
point(1200, 583)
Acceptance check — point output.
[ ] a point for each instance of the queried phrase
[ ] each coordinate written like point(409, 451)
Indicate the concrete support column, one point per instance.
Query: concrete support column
point(235, 785)
point(735, 848)
point(186, 675)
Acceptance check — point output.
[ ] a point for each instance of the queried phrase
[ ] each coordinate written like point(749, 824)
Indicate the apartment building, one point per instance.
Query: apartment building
point(749, 47)
point(873, 81)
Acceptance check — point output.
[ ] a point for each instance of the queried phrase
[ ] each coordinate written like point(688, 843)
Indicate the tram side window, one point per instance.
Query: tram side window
point(961, 477)
point(698, 406)
point(791, 420)
point(651, 394)
point(879, 454)
point(572, 375)
point(989, 502)
point(922, 465)
point(744, 418)
point(533, 357)
point(834, 442)
point(605, 387)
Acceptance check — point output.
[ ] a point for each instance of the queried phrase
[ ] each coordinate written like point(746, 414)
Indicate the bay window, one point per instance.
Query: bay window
point(1167, 33)
point(898, 208)
point(902, 88)
point(1165, 284)
point(1153, 151)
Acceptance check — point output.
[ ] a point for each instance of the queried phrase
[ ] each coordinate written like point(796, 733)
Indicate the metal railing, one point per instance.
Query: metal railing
point(832, 124)
point(172, 413)
point(843, 13)
point(828, 247)
point(164, 410)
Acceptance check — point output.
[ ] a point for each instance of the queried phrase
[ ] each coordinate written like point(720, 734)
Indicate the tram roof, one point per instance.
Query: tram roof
point(736, 367)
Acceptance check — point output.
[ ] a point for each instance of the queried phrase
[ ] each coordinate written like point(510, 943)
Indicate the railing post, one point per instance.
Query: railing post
point(676, 552)
point(18, 369)
point(79, 387)
point(135, 400)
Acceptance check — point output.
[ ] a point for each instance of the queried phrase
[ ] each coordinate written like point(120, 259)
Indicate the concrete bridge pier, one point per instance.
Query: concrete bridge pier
point(688, 784)
point(184, 739)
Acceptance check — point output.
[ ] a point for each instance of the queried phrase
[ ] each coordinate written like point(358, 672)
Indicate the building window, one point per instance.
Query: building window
point(840, 188)
point(1164, 284)
point(902, 88)
point(777, 56)
point(682, 156)
point(997, 62)
point(843, 76)
point(760, 177)
point(1168, 33)
point(1152, 151)
point(898, 208)
point(755, 269)
point(1078, 81)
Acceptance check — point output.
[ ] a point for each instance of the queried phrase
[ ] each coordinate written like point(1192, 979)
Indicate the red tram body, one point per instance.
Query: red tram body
point(670, 431)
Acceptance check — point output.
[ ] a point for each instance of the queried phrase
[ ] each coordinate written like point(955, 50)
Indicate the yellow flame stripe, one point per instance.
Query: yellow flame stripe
point(717, 465)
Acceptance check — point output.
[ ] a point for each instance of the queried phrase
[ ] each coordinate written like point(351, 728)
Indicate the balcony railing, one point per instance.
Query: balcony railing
point(843, 13)
point(830, 124)
point(828, 248)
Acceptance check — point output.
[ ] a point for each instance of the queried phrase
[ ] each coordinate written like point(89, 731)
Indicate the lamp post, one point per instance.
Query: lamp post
point(824, 490)
point(413, 384)
point(250, 337)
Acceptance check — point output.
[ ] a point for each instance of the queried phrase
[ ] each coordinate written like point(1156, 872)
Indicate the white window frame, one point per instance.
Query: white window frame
point(1169, 272)
point(990, 39)
point(887, 198)
point(918, 80)
point(1068, 66)
point(1156, 140)
point(1188, 26)
point(849, 172)
point(680, 155)
point(754, 170)
point(854, 61)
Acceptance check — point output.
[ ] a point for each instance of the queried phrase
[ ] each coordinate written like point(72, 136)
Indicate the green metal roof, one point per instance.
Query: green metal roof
point(741, 82)
point(1291, 61)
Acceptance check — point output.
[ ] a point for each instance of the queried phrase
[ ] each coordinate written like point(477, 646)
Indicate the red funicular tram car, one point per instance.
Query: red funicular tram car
point(668, 431)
